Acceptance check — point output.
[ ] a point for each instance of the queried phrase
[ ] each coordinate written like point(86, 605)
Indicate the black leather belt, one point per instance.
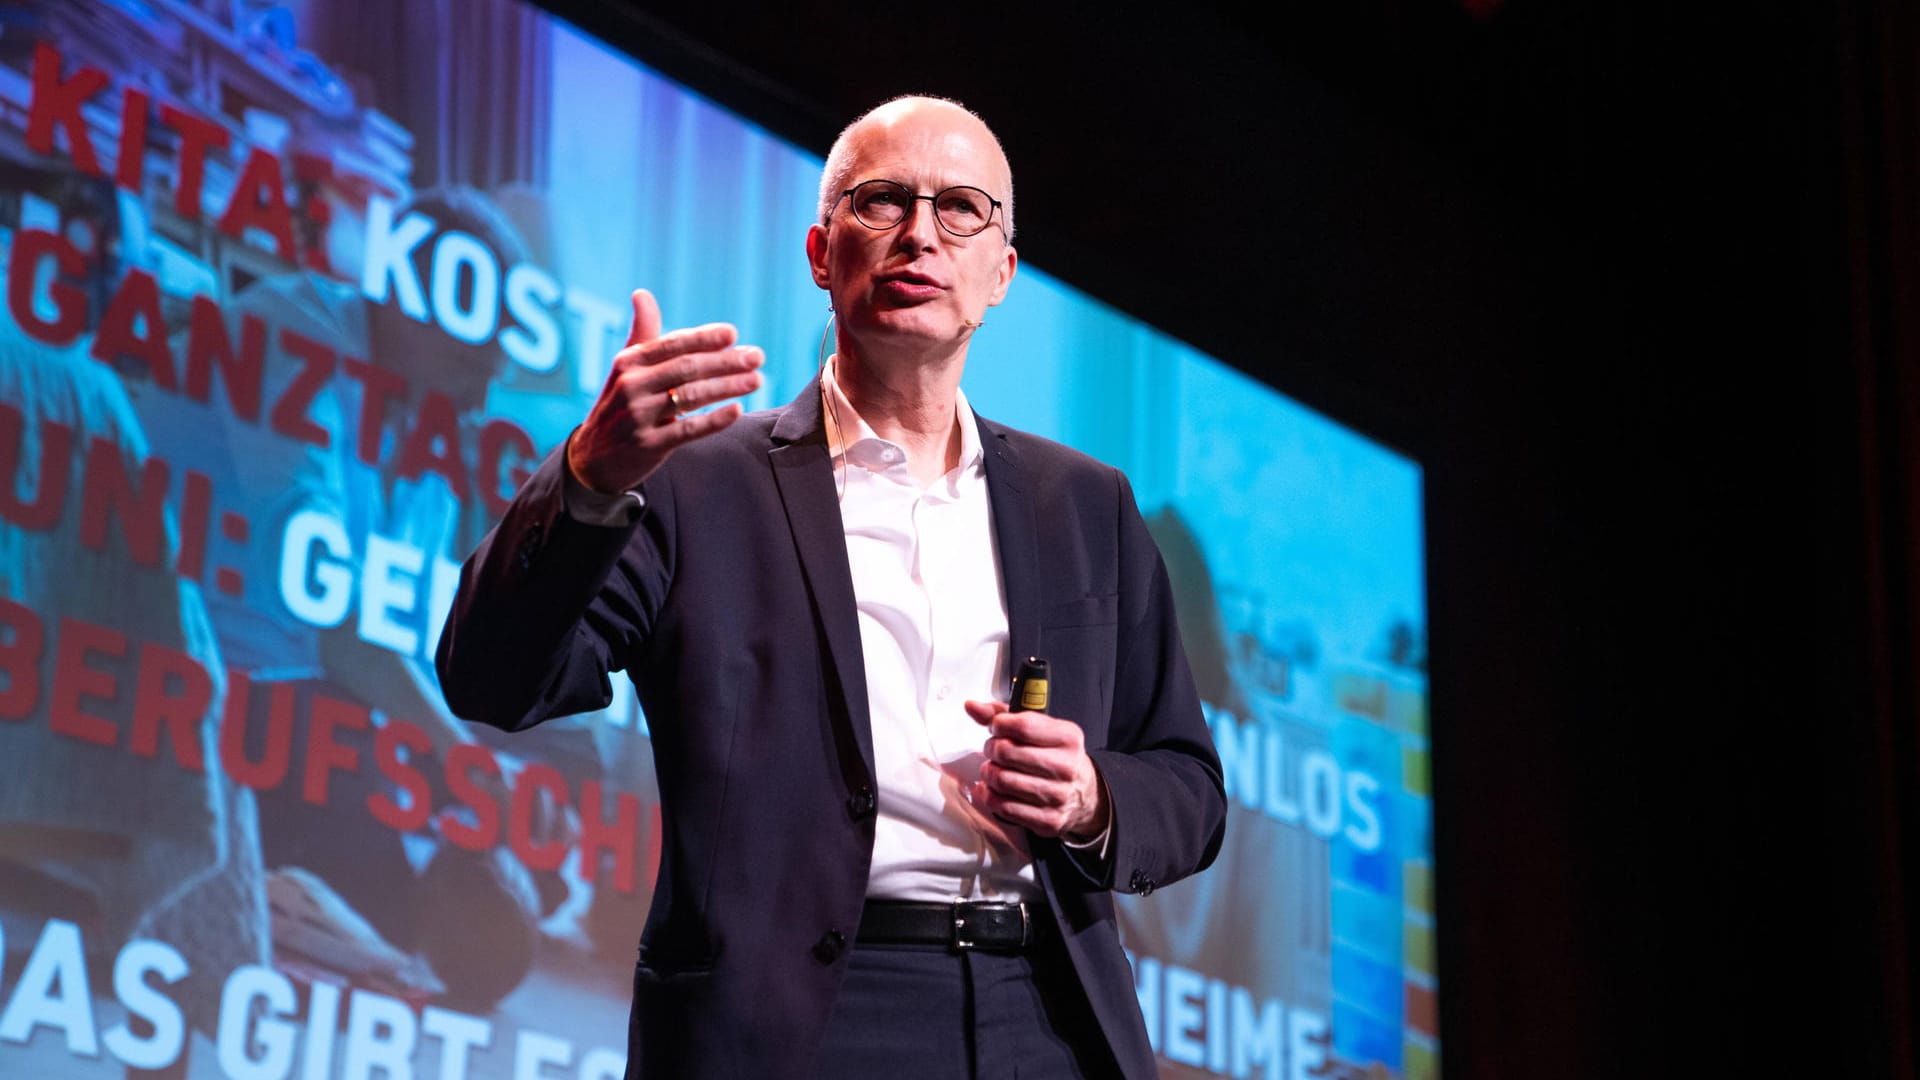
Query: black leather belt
point(967, 924)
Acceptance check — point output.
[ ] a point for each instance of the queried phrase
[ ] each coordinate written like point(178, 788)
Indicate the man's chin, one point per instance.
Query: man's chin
point(910, 327)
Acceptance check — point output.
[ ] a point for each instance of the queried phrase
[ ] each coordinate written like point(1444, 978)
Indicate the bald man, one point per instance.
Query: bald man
point(872, 864)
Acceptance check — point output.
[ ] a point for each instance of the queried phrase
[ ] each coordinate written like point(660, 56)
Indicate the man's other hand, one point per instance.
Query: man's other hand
point(1037, 774)
point(641, 415)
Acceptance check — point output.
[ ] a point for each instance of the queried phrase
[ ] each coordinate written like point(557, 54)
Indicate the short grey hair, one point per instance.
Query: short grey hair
point(837, 175)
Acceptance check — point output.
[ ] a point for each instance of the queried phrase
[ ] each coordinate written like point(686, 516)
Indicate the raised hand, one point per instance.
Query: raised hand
point(657, 379)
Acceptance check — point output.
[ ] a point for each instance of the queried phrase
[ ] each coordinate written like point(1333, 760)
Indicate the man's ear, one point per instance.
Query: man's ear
point(817, 253)
point(1007, 267)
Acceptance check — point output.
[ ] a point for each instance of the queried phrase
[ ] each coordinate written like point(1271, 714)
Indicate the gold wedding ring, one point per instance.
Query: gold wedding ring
point(673, 400)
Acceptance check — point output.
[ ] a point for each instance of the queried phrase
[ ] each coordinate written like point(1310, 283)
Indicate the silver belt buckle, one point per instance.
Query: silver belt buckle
point(961, 935)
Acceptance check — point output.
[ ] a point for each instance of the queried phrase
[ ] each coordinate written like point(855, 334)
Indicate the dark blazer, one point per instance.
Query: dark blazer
point(731, 605)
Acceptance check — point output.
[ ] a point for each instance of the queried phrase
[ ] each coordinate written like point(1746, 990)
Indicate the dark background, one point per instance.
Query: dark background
point(1638, 286)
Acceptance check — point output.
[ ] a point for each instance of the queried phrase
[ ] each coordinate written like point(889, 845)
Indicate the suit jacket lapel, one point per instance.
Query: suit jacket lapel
point(1019, 541)
point(1018, 537)
point(804, 473)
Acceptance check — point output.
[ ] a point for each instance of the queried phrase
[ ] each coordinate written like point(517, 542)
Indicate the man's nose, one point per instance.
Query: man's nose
point(918, 229)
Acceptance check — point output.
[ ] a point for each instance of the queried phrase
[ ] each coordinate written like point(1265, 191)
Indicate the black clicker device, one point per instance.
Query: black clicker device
point(1030, 686)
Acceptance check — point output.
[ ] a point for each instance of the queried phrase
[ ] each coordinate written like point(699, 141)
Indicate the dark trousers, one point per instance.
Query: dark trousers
point(928, 1011)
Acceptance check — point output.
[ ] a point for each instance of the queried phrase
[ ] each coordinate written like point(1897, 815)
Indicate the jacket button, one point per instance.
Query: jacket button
point(1140, 882)
point(862, 803)
point(830, 946)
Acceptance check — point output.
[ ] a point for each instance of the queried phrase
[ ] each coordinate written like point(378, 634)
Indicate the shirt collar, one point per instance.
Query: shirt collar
point(847, 429)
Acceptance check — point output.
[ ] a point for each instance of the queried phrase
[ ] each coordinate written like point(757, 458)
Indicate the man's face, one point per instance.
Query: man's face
point(915, 284)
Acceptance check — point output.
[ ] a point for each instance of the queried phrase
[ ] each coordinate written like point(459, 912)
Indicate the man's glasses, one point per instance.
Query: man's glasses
point(882, 204)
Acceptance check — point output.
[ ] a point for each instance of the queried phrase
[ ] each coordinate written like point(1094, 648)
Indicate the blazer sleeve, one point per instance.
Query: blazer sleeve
point(548, 607)
point(1162, 773)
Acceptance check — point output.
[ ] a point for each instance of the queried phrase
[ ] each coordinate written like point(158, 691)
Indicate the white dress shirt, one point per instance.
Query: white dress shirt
point(933, 630)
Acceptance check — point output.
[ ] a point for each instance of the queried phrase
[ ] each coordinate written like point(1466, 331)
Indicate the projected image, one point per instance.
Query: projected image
point(297, 294)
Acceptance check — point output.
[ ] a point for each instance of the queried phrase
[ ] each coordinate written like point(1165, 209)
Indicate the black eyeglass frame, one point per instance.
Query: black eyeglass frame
point(994, 207)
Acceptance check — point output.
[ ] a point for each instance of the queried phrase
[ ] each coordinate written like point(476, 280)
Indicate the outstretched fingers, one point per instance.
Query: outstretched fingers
point(699, 426)
point(663, 349)
point(651, 401)
point(703, 377)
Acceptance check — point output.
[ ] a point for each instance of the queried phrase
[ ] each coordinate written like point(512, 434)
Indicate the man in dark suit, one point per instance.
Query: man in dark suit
point(872, 864)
